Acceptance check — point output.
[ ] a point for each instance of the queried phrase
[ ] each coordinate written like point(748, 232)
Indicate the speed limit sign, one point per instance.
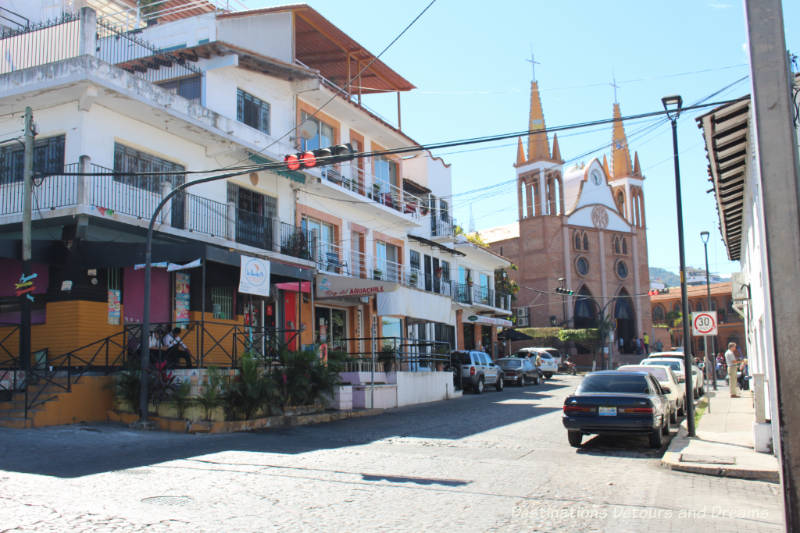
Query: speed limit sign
point(704, 323)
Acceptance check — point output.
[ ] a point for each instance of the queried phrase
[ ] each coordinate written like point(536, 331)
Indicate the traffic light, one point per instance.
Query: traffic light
point(561, 290)
point(319, 157)
point(656, 292)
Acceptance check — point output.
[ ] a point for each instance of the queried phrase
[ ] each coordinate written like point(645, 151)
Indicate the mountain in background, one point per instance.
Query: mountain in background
point(660, 277)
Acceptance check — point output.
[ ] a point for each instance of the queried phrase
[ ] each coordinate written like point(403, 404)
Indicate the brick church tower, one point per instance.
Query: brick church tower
point(580, 227)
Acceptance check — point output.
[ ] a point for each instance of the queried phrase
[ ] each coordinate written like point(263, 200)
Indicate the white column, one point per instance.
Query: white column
point(637, 307)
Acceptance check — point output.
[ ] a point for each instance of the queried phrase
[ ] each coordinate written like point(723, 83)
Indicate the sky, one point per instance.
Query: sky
point(470, 62)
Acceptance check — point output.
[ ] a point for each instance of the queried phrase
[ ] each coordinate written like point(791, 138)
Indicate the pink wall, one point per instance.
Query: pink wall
point(10, 269)
point(133, 295)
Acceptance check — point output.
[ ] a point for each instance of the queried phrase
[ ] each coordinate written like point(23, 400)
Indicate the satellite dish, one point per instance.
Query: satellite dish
point(308, 129)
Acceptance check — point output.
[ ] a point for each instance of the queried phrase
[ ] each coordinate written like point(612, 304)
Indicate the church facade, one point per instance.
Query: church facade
point(579, 228)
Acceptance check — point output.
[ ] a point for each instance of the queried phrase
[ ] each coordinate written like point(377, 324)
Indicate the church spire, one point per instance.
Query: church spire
point(556, 149)
point(605, 166)
point(520, 152)
point(637, 169)
point(620, 155)
point(538, 145)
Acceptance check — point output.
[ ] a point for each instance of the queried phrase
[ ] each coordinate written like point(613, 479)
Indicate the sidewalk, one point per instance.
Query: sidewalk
point(724, 442)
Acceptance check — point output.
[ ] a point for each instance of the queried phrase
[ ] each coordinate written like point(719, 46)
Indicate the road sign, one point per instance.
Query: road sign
point(704, 323)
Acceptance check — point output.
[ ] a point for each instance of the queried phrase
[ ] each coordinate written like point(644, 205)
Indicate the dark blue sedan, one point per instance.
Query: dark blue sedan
point(617, 403)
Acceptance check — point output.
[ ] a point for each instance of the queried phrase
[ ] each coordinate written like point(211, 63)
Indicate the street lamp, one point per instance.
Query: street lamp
point(562, 281)
point(711, 361)
point(672, 105)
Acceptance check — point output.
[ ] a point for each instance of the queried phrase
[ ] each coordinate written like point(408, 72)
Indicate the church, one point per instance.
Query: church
point(580, 228)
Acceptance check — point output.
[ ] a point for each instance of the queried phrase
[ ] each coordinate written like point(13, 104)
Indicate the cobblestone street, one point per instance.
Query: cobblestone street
point(491, 462)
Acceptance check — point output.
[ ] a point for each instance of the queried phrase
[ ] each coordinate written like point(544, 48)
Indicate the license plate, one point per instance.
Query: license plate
point(607, 411)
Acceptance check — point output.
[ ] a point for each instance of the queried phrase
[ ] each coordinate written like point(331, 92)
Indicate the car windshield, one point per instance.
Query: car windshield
point(510, 363)
point(634, 383)
point(674, 365)
point(658, 372)
point(545, 355)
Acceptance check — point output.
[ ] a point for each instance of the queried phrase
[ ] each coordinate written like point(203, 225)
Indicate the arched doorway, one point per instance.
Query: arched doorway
point(626, 322)
point(585, 312)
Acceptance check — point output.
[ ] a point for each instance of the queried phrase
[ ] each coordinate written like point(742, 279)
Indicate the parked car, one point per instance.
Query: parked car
point(547, 365)
point(670, 386)
point(697, 374)
point(555, 354)
point(611, 402)
point(519, 370)
point(475, 370)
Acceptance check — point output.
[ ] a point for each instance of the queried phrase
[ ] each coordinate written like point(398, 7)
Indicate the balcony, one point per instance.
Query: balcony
point(109, 196)
point(350, 177)
point(470, 294)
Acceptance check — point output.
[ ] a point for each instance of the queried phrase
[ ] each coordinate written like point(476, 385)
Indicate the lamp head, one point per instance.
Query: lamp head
point(672, 105)
point(704, 235)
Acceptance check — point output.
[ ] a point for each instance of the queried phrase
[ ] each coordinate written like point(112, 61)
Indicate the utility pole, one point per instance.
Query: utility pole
point(776, 144)
point(27, 190)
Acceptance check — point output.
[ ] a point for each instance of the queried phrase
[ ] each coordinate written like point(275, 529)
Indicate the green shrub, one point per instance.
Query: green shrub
point(250, 391)
point(211, 395)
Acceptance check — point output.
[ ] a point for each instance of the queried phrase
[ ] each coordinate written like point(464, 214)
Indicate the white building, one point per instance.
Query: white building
point(126, 110)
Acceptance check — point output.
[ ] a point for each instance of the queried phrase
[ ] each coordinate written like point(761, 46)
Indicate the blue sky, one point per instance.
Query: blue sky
point(468, 61)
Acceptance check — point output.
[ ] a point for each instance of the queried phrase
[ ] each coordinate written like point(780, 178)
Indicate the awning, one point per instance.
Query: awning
point(417, 304)
point(490, 320)
point(339, 286)
point(291, 286)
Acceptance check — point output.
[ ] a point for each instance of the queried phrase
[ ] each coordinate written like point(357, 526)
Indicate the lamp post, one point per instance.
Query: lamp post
point(672, 105)
point(712, 361)
point(562, 281)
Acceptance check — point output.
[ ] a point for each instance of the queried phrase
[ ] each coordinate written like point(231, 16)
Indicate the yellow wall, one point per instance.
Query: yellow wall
point(89, 401)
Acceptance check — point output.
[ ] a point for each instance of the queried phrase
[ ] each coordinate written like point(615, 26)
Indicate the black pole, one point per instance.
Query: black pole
point(713, 359)
point(687, 349)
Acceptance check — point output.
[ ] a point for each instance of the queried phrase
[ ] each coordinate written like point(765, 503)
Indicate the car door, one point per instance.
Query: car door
point(490, 369)
point(659, 397)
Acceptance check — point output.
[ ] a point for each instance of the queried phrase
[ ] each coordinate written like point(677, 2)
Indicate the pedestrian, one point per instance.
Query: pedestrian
point(646, 340)
point(659, 345)
point(176, 349)
point(621, 344)
point(731, 361)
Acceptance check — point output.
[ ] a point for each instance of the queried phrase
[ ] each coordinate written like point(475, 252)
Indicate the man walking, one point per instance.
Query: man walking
point(646, 339)
point(733, 365)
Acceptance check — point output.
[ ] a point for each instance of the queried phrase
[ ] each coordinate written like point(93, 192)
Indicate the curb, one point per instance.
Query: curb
point(672, 460)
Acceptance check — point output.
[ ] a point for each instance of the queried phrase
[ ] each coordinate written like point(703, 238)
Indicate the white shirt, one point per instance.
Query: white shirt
point(173, 340)
point(730, 358)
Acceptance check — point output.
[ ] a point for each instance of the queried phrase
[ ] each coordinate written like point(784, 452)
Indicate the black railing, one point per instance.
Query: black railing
point(139, 57)
point(39, 44)
point(48, 192)
point(296, 241)
point(462, 293)
point(254, 229)
point(206, 216)
point(396, 353)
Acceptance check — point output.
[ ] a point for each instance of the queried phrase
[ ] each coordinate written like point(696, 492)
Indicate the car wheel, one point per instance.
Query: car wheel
point(656, 438)
point(673, 417)
point(479, 386)
point(536, 380)
point(548, 375)
point(498, 386)
point(665, 429)
point(521, 382)
point(574, 438)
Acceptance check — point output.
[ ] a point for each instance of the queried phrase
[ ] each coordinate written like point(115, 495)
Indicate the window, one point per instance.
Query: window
point(585, 241)
point(189, 88)
point(385, 174)
point(386, 260)
point(325, 240)
point(445, 266)
point(444, 212)
point(577, 240)
point(617, 248)
point(622, 269)
point(323, 133)
point(331, 327)
point(222, 302)
point(48, 158)
point(415, 262)
point(659, 316)
point(624, 246)
point(582, 266)
point(131, 162)
point(252, 111)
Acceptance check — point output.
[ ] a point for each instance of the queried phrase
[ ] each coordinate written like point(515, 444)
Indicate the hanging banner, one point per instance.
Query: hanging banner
point(254, 276)
point(182, 298)
point(114, 306)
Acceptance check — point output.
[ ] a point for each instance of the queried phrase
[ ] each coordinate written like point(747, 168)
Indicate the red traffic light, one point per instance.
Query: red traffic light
point(308, 159)
point(292, 163)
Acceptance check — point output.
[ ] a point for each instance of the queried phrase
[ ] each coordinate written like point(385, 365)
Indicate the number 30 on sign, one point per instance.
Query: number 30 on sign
point(704, 323)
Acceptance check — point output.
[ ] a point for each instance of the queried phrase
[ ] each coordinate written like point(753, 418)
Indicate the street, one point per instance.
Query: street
point(490, 462)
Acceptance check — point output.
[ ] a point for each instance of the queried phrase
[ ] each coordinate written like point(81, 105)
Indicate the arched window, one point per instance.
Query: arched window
point(616, 245)
point(676, 307)
point(585, 241)
point(659, 315)
point(621, 202)
point(577, 240)
point(624, 246)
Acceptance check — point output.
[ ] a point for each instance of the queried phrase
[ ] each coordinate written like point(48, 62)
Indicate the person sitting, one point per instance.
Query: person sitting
point(176, 349)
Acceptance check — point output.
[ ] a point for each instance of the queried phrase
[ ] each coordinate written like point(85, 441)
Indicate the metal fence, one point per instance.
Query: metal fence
point(39, 44)
point(139, 57)
point(48, 192)
point(397, 354)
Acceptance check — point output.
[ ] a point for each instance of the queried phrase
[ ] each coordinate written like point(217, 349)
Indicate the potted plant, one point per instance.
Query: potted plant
point(387, 357)
point(412, 280)
point(377, 273)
